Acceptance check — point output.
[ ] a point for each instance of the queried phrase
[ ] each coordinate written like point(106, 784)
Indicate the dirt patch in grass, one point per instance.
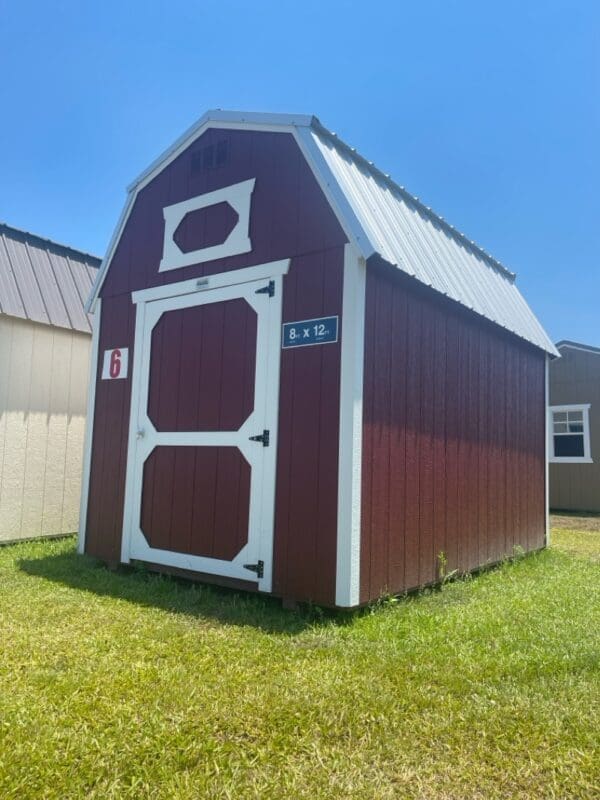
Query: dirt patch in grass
point(576, 521)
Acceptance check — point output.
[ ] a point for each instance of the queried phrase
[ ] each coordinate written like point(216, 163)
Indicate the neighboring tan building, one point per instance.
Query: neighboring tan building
point(45, 338)
point(574, 435)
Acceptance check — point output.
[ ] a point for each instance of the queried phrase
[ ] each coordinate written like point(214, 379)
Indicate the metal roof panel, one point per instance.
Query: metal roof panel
point(43, 281)
point(411, 237)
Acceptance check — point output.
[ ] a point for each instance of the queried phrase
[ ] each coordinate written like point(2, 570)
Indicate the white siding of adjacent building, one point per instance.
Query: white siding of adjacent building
point(43, 388)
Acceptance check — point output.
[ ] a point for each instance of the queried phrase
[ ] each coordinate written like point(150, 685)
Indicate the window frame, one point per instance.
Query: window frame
point(586, 458)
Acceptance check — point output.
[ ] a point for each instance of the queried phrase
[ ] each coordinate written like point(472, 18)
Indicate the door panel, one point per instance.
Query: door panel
point(200, 490)
point(196, 500)
point(202, 367)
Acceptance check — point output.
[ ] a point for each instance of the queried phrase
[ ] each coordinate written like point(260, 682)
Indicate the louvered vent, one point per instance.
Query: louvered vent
point(212, 156)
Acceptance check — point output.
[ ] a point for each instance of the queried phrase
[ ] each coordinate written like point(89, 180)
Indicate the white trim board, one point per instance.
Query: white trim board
point(587, 456)
point(595, 351)
point(89, 429)
point(257, 272)
point(143, 436)
point(347, 589)
point(547, 447)
point(238, 196)
point(298, 126)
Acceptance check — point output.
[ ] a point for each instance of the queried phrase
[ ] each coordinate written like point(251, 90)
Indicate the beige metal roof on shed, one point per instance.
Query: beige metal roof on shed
point(43, 281)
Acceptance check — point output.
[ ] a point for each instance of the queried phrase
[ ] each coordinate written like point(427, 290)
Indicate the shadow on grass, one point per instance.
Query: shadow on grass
point(178, 595)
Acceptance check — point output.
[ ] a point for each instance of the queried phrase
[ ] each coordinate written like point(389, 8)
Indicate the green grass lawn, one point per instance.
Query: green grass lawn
point(116, 685)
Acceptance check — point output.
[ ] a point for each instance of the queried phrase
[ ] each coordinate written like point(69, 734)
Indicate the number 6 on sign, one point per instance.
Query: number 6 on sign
point(115, 363)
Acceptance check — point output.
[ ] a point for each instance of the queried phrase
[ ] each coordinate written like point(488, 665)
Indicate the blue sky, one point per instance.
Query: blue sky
point(489, 112)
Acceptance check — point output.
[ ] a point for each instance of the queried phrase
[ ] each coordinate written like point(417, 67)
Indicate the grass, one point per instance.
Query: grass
point(117, 685)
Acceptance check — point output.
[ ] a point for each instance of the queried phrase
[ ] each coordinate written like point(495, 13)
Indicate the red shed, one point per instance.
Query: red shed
point(305, 382)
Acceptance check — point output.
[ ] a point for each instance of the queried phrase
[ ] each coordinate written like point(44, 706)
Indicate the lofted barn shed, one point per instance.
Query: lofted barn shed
point(306, 382)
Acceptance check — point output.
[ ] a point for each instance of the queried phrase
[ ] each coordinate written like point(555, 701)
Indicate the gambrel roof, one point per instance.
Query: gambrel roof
point(379, 217)
point(43, 281)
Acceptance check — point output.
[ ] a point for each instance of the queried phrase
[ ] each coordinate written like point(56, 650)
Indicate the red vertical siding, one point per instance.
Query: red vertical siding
point(307, 465)
point(453, 439)
point(109, 438)
point(290, 218)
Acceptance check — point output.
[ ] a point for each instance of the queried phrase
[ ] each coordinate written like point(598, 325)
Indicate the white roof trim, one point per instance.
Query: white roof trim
point(576, 346)
point(357, 215)
point(296, 124)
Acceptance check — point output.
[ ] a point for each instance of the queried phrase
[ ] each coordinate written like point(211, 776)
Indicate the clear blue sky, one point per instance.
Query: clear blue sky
point(489, 112)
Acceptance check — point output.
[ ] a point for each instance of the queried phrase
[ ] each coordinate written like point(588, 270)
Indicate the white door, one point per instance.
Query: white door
point(201, 465)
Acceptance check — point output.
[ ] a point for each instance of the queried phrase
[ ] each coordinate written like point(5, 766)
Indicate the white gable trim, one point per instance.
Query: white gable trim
point(298, 126)
point(595, 351)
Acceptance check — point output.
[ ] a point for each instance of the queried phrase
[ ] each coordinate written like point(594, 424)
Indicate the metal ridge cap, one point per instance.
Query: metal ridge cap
point(426, 210)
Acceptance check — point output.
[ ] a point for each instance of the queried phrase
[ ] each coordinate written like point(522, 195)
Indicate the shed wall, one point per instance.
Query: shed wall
point(575, 378)
point(43, 390)
point(453, 439)
point(290, 218)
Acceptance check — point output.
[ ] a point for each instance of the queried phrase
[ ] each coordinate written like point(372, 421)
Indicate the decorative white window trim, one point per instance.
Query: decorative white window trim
point(584, 408)
point(238, 196)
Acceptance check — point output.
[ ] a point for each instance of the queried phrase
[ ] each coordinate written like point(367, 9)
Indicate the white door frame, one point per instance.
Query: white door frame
point(150, 305)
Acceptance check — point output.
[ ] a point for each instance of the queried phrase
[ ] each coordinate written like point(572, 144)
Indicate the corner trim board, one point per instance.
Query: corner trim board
point(547, 446)
point(89, 426)
point(347, 589)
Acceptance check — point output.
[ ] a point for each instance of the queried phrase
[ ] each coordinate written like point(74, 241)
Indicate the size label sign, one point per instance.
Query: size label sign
point(115, 363)
point(310, 331)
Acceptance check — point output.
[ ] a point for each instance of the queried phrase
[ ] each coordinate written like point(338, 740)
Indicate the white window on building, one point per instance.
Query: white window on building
point(570, 434)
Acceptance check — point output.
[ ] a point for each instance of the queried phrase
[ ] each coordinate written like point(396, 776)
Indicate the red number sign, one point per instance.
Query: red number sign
point(115, 363)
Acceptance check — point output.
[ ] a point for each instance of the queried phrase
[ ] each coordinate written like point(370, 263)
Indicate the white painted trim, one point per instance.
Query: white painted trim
point(136, 380)
point(347, 217)
point(347, 589)
point(216, 118)
point(298, 126)
point(548, 418)
point(89, 429)
point(143, 437)
point(595, 351)
point(571, 460)
point(587, 456)
point(258, 272)
point(572, 407)
point(238, 196)
point(90, 305)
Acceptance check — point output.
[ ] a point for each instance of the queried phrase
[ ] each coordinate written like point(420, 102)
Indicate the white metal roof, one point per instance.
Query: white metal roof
point(43, 281)
point(413, 238)
point(567, 344)
point(380, 217)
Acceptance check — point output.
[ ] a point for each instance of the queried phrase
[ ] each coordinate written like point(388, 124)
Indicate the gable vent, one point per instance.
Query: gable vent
point(211, 157)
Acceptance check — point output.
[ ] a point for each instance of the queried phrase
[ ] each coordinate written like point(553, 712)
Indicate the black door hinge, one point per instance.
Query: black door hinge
point(261, 437)
point(259, 568)
point(268, 289)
